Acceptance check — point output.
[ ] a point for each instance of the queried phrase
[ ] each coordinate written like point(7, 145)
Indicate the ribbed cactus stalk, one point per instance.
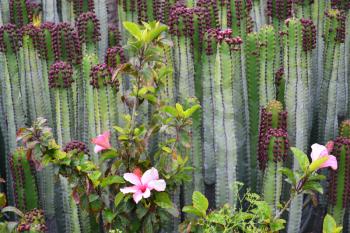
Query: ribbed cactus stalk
point(273, 149)
point(89, 31)
point(33, 83)
point(33, 221)
point(13, 98)
point(339, 185)
point(114, 36)
point(187, 27)
point(280, 84)
point(21, 12)
point(105, 92)
point(227, 100)
point(253, 82)
point(24, 183)
point(298, 39)
point(60, 80)
point(82, 6)
point(334, 36)
point(268, 64)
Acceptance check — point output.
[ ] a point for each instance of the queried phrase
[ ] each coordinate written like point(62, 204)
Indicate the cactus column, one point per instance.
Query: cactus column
point(299, 40)
point(273, 149)
point(339, 185)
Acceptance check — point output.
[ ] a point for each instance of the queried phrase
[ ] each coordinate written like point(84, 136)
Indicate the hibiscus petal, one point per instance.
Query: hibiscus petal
point(318, 151)
point(331, 162)
point(137, 196)
point(158, 185)
point(131, 189)
point(147, 193)
point(150, 174)
point(98, 149)
point(132, 178)
point(102, 140)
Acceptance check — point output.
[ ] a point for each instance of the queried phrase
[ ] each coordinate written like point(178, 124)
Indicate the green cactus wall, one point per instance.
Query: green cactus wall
point(237, 57)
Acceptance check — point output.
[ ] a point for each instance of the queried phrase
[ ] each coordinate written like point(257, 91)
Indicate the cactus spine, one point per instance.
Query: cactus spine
point(273, 149)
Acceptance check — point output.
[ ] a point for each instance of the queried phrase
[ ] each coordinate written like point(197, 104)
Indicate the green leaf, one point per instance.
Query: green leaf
point(163, 200)
point(317, 163)
point(329, 225)
point(2, 200)
point(133, 29)
point(12, 210)
point(189, 112)
point(94, 177)
point(118, 198)
point(290, 175)
point(314, 186)
point(200, 202)
point(192, 210)
point(109, 215)
point(302, 158)
point(171, 110)
point(180, 110)
point(108, 154)
point(112, 180)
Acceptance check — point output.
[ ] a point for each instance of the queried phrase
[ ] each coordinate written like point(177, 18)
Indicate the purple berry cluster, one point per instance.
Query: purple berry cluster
point(60, 75)
point(101, 76)
point(79, 146)
point(33, 221)
point(114, 36)
point(213, 7)
point(115, 56)
point(309, 34)
point(340, 37)
point(221, 36)
point(341, 143)
point(10, 34)
point(19, 9)
point(279, 9)
point(280, 146)
point(78, 6)
point(268, 130)
point(340, 4)
point(66, 44)
point(88, 28)
point(279, 76)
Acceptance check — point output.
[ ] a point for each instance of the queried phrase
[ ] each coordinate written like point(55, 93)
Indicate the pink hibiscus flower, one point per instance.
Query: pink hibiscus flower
point(102, 142)
point(320, 151)
point(143, 185)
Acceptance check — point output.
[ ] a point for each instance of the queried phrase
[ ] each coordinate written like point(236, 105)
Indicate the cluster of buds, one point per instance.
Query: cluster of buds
point(242, 11)
point(101, 75)
point(81, 6)
point(341, 145)
point(9, 34)
point(34, 33)
point(273, 125)
point(66, 44)
point(78, 146)
point(33, 221)
point(115, 56)
point(279, 76)
point(60, 75)
point(309, 34)
point(213, 7)
point(221, 36)
point(181, 20)
point(22, 11)
point(46, 32)
point(340, 37)
point(340, 4)
point(114, 36)
point(280, 9)
point(88, 28)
